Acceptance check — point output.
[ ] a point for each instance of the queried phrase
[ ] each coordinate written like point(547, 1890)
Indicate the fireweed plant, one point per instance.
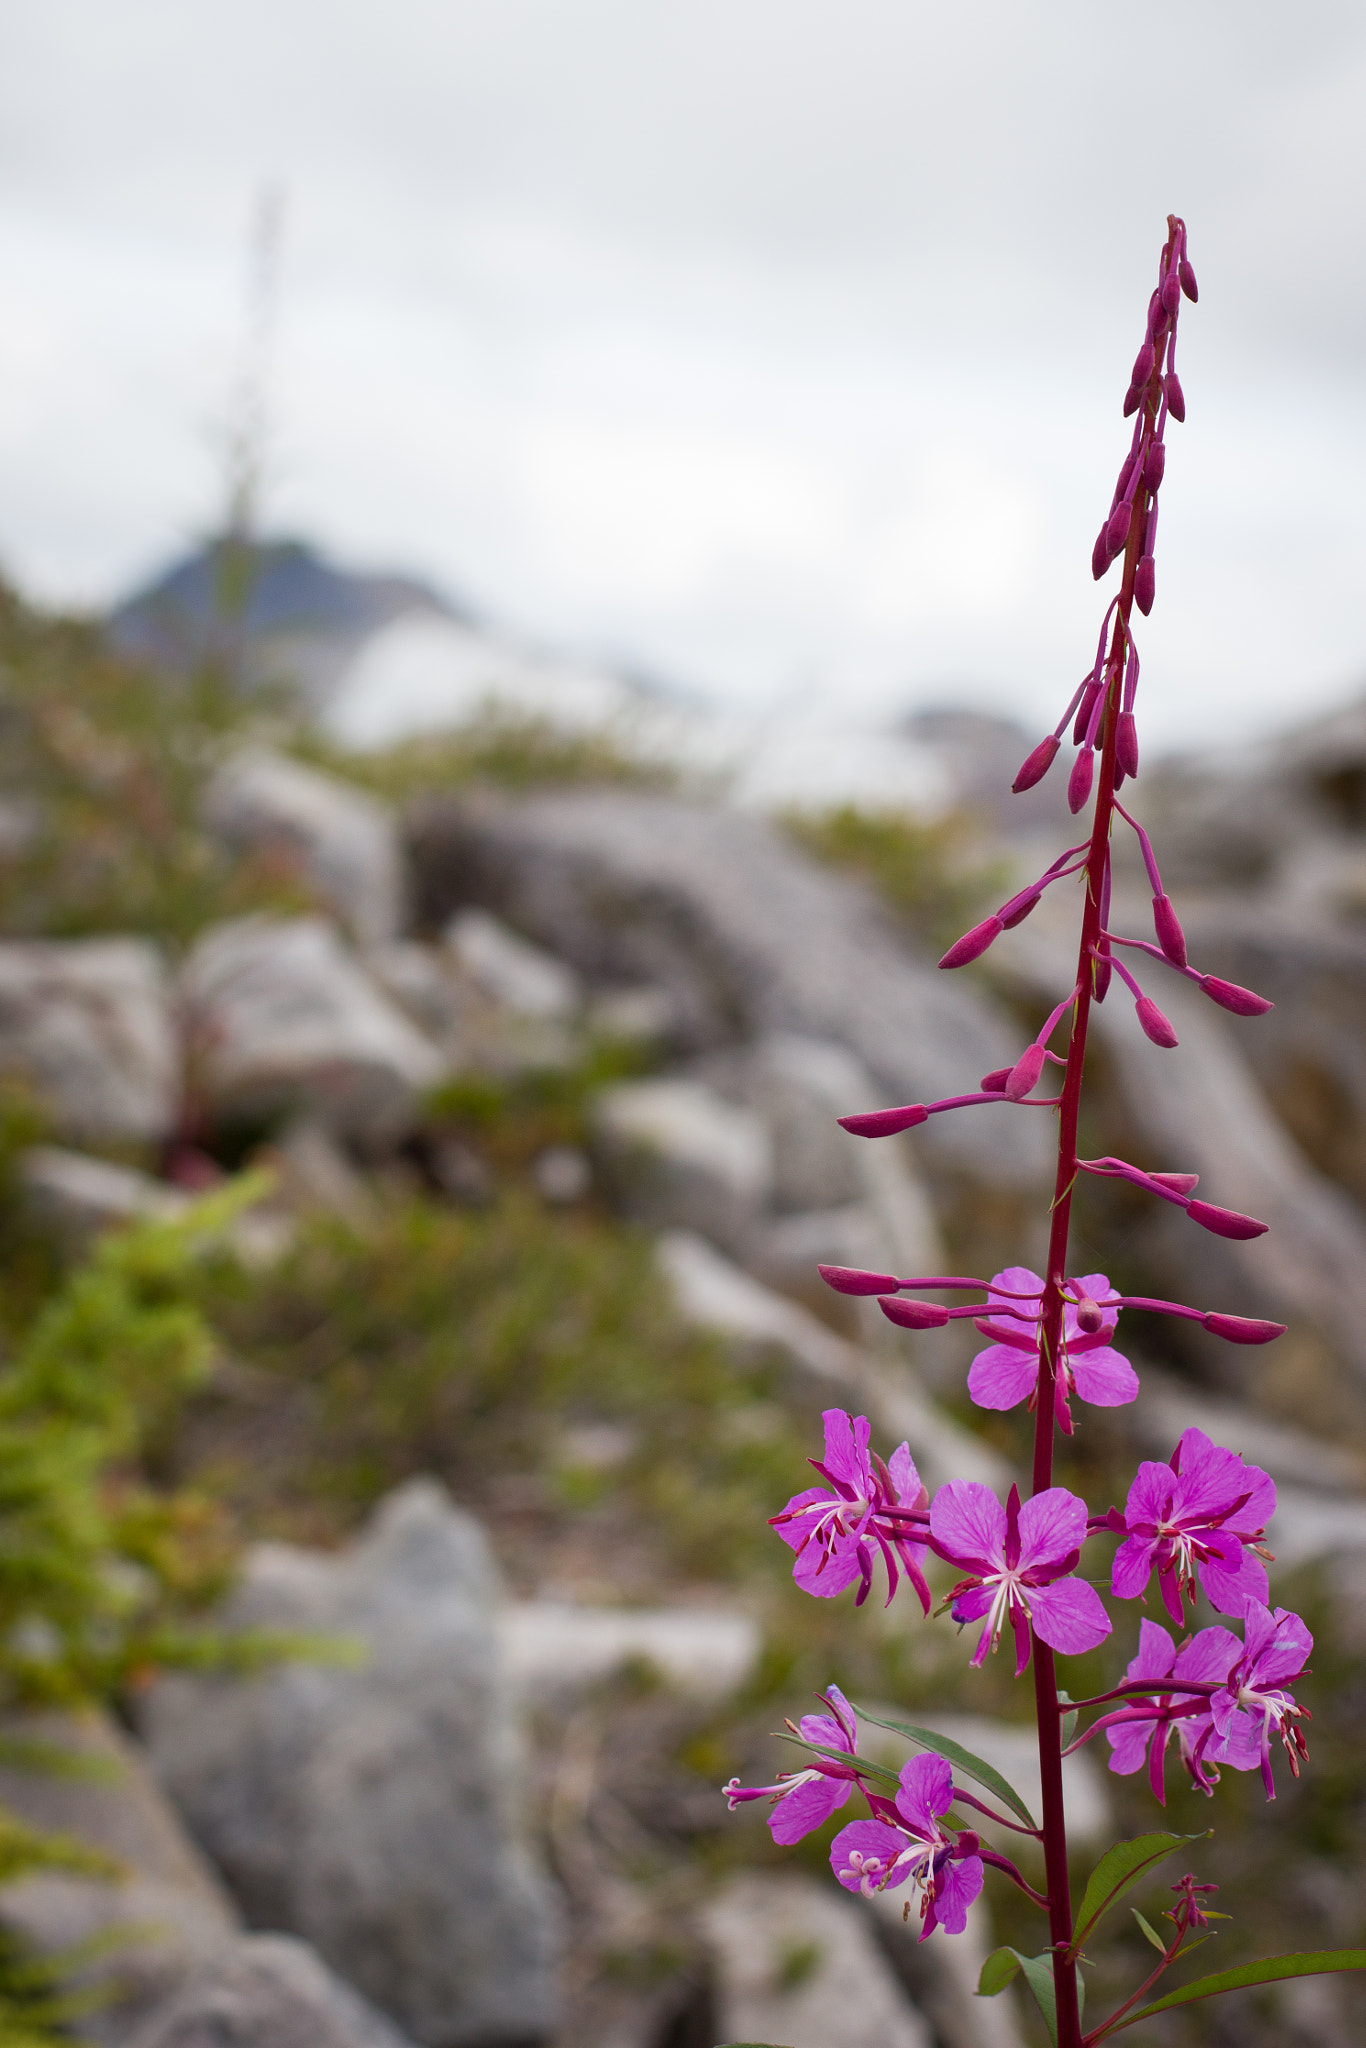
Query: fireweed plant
point(1210, 1697)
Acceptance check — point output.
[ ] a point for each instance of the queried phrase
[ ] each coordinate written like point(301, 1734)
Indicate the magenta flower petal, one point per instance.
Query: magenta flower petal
point(926, 1793)
point(1001, 1377)
point(969, 1524)
point(1230, 1575)
point(1069, 1616)
point(807, 1807)
point(864, 1857)
point(1104, 1377)
point(846, 1447)
point(1052, 1528)
point(1133, 1567)
point(957, 1884)
point(826, 1573)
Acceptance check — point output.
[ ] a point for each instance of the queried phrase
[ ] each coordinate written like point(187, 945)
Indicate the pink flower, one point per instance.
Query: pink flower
point(1252, 1703)
point(1202, 1516)
point(1007, 1372)
point(1143, 1730)
point(868, 1507)
point(803, 1800)
point(1020, 1559)
point(875, 1855)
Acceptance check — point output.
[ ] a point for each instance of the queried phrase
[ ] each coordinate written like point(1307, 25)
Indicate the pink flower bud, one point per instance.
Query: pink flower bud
point(913, 1315)
point(1242, 1329)
point(1117, 528)
point(1126, 743)
point(1038, 764)
point(1100, 554)
point(1133, 398)
point(1101, 970)
point(1079, 781)
point(1017, 910)
point(853, 1280)
point(994, 1082)
point(974, 943)
point(1155, 1025)
point(1188, 284)
point(1126, 470)
point(1157, 316)
point(1024, 1073)
point(1243, 1002)
point(884, 1123)
point(1155, 466)
point(1170, 936)
point(1179, 1183)
point(1082, 721)
point(1224, 1222)
point(1176, 397)
point(1145, 583)
point(1089, 1316)
point(1171, 290)
point(1143, 366)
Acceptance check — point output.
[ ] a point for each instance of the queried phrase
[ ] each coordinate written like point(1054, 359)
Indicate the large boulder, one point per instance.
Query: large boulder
point(266, 1991)
point(745, 932)
point(345, 842)
point(89, 1024)
point(151, 1926)
point(284, 1019)
point(372, 1807)
point(674, 1152)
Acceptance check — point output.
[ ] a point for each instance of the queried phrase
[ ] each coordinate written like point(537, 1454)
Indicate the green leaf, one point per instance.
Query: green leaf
point(1118, 1870)
point(842, 1756)
point(974, 1767)
point(1321, 1962)
point(1002, 1966)
point(1069, 1721)
point(1154, 1937)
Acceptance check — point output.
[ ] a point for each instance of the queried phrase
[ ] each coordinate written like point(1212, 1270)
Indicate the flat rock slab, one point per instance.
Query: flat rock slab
point(266, 1991)
point(746, 933)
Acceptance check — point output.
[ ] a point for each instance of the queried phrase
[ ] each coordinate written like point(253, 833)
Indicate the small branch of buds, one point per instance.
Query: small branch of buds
point(1196, 1524)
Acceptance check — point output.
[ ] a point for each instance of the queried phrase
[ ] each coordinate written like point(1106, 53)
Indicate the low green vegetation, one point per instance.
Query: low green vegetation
point(933, 875)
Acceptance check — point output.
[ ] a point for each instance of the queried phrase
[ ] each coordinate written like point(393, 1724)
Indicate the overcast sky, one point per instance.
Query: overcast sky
point(778, 345)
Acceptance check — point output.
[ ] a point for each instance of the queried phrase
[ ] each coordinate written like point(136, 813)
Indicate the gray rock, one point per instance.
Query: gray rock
point(942, 1974)
point(746, 933)
point(675, 1152)
point(522, 978)
point(345, 841)
point(313, 1172)
point(827, 1371)
point(374, 1809)
point(796, 1961)
point(89, 1023)
point(168, 1912)
point(282, 1017)
point(76, 1197)
point(266, 1991)
point(554, 1651)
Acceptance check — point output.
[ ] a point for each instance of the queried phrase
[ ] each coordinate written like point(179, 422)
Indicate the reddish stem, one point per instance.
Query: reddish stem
point(1047, 1707)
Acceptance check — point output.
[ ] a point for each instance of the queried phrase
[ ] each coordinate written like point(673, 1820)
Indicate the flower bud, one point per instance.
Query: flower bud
point(1176, 397)
point(1126, 742)
point(1224, 1222)
point(1083, 718)
point(1242, 1329)
point(1079, 781)
point(1017, 910)
point(1170, 936)
point(1024, 1073)
point(913, 1315)
point(1133, 398)
point(1126, 470)
point(1090, 1318)
point(1117, 526)
point(1154, 468)
point(994, 1082)
point(1243, 1002)
point(1143, 366)
point(1157, 316)
point(1188, 284)
point(974, 943)
point(1145, 583)
point(884, 1123)
point(1179, 1183)
point(1101, 970)
point(1038, 764)
point(853, 1280)
point(1155, 1025)
point(1171, 290)
point(1100, 554)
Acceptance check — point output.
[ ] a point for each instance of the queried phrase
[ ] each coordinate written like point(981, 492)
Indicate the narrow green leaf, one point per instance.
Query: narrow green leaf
point(1001, 1967)
point(1118, 1870)
point(1154, 1937)
point(974, 1767)
point(842, 1756)
point(1069, 1721)
point(1321, 1962)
